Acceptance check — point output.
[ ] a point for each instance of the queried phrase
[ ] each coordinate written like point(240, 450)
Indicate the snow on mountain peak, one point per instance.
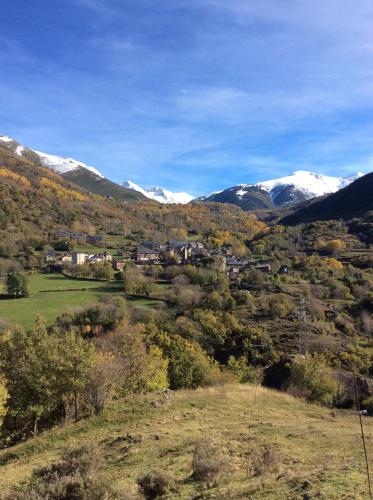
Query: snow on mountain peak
point(62, 165)
point(310, 183)
point(160, 194)
point(5, 138)
point(56, 163)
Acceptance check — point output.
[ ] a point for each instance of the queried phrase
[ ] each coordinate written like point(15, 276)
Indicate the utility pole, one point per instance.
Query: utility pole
point(362, 435)
point(303, 334)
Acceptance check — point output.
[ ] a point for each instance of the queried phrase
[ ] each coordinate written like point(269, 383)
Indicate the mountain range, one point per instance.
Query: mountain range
point(297, 187)
point(160, 194)
point(352, 201)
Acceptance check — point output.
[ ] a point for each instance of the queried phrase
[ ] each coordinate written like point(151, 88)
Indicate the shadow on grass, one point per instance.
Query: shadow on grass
point(7, 458)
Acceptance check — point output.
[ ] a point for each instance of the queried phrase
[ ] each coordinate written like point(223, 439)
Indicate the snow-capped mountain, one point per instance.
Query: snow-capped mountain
point(160, 194)
point(297, 187)
point(58, 164)
point(77, 172)
point(304, 184)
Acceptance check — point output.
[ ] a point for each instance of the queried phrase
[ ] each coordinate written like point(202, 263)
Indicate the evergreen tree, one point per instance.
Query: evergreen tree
point(17, 284)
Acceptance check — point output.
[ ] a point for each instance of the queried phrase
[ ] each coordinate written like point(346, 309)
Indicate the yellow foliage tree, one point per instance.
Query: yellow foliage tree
point(3, 399)
point(60, 191)
point(4, 172)
point(333, 263)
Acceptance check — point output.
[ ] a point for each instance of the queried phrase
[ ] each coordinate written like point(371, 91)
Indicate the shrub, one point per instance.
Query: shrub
point(155, 484)
point(208, 463)
point(265, 460)
point(76, 477)
point(278, 306)
point(245, 373)
point(311, 378)
point(367, 404)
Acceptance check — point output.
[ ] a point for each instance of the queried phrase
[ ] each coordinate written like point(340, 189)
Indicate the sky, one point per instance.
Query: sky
point(193, 95)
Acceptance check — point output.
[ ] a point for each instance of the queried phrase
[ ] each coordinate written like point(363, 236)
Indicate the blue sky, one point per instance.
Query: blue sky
point(192, 95)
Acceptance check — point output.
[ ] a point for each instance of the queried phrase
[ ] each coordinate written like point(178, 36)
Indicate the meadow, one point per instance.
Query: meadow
point(311, 452)
point(51, 294)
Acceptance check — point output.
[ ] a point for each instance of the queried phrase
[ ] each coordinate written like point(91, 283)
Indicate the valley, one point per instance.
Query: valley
point(128, 317)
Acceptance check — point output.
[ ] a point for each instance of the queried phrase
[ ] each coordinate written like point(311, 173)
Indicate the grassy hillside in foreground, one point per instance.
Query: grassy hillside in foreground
point(314, 452)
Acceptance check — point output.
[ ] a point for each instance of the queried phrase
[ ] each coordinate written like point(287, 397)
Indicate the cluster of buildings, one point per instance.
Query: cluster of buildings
point(182, 251)
point(95, 239)
point(79, 258)
point(192, 252)
point(149, 252)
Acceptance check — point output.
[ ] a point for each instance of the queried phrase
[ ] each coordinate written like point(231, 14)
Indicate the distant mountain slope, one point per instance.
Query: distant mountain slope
point(100, 185)
point(298, 187)
point(35, 202)
point(79, 173)
point(352, 201)
point(58, 164)
point(160, 194)
point(244, 196)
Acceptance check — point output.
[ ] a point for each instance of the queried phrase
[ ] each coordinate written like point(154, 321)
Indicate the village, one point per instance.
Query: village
point(146, 253)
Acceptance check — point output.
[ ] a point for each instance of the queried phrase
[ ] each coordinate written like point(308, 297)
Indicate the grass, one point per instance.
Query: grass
point(48, 298)
point(317, 453)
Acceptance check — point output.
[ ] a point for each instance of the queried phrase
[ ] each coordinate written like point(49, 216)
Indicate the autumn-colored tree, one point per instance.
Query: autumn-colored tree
point(3, 399)
point(75, 358)
point(140, 366)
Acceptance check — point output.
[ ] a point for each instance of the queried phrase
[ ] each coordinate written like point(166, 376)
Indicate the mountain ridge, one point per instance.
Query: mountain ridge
point(160, 194)
point(352, 201)
point(77, 172)
point(297, 187)
point(300, 186)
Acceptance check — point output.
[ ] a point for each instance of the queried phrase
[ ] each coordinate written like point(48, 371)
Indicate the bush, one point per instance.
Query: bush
point(264, 461)
point(277, 306)
point(76, 477)
point(245, 373)
point(155, 484)
point(367, 404)
point(311, 378)
point(208, 463)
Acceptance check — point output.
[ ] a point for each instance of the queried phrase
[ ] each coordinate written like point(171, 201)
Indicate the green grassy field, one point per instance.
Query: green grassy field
point(315, 454)
point(48, 298)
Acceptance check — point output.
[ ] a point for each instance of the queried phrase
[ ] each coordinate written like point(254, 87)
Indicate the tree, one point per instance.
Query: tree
point(28, 363)
point(74, 363)
point(44, 373)
point(101, 381)
point(135, 282)
point(188, 364)
point(311, 378)
point(103, 272)
point(17, 284)
point(3, 399)
point(141, 366)
point(242, 370)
